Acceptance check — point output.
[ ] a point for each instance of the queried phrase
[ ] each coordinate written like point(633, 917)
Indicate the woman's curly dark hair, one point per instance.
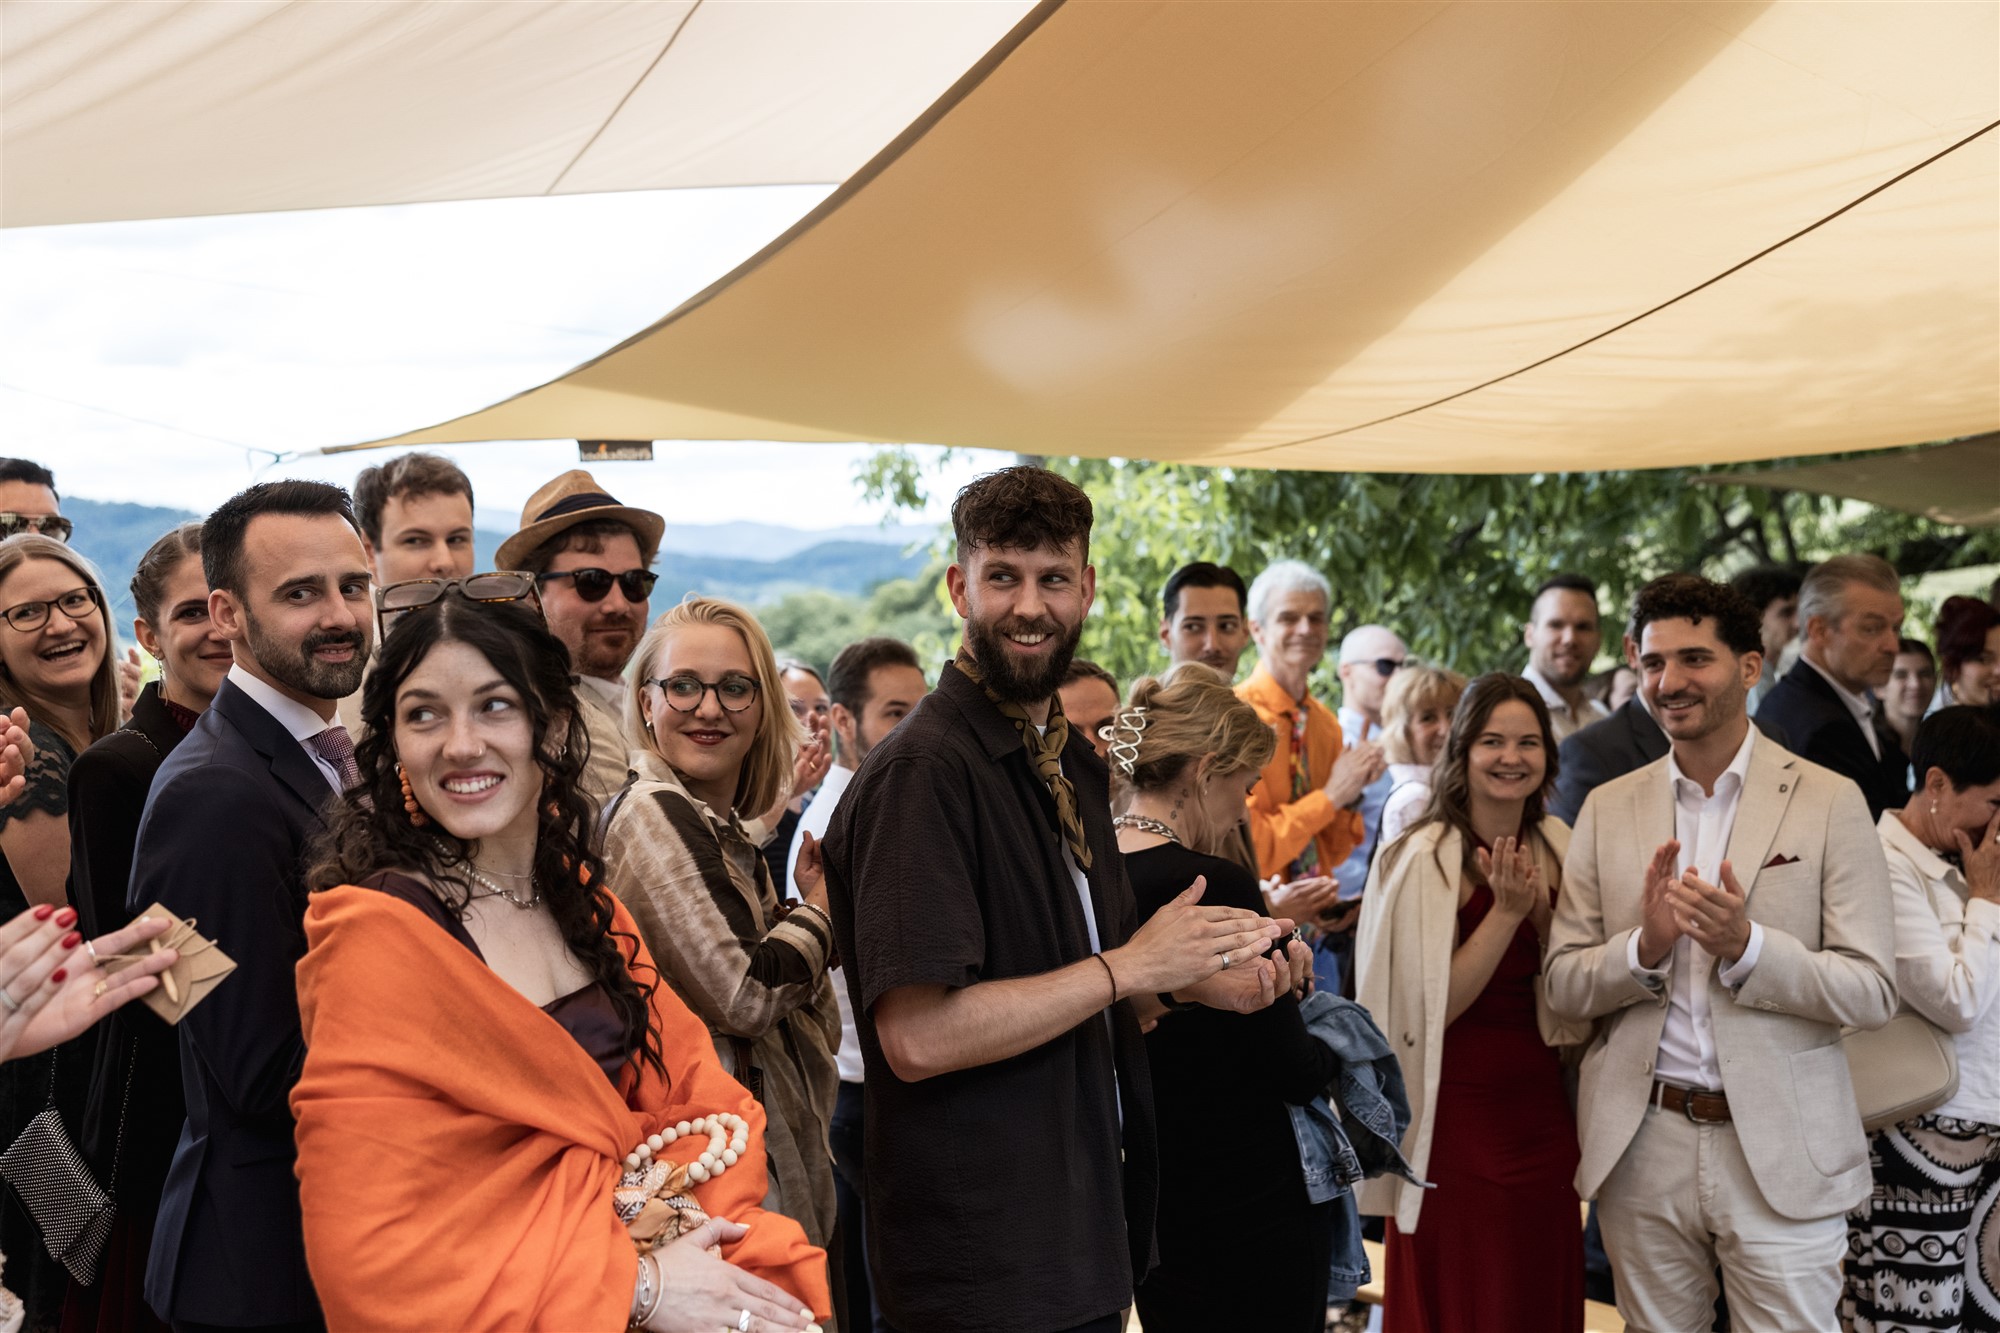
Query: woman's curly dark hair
point(369, 831)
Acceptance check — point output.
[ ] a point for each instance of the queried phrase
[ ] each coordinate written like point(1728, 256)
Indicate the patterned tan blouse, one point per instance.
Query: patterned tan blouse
point(703, 899)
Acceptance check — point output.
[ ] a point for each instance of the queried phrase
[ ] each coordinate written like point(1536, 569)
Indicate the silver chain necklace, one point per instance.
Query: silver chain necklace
point(1145, 824)
point(534, 899)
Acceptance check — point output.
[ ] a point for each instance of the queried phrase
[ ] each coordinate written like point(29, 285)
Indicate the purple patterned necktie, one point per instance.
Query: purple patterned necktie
point(336, 747)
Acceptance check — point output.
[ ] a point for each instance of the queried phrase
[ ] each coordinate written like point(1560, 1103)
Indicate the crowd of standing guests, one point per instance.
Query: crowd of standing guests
point(1008, 1000)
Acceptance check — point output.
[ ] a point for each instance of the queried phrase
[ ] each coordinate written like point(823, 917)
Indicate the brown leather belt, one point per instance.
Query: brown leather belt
point(1704, 1108)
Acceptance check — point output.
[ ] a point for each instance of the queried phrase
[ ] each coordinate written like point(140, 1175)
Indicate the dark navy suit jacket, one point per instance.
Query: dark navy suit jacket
point(1823, 730)
point(223, 840)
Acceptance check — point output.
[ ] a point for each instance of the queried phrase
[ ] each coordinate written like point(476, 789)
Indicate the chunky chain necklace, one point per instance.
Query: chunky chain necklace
point(1144, 824)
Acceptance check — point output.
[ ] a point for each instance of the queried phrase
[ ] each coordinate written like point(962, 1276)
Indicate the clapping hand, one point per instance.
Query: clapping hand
point(1516, 881)
point(1659, 924)
point(1302, 899)
point(131, 680)
point(17, 752)
point(1712, 915)
point(1185, 943)
point(810, 872)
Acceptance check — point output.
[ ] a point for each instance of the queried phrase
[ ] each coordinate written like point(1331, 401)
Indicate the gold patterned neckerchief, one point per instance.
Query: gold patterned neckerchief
point(1045, 747)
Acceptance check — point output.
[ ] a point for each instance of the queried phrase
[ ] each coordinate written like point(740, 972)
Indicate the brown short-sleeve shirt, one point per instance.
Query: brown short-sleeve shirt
point(997, 1197)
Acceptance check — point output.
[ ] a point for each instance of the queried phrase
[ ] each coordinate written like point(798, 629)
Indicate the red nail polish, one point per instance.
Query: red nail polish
point(71, 940)
point(58, 977)
point(66, 917)
point(45, 911)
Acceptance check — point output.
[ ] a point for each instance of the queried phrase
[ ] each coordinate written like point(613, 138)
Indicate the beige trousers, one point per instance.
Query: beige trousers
point(1682, 1202)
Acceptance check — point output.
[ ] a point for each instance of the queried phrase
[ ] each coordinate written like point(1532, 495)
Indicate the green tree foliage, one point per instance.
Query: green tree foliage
point(1449, 560)
point(814, 625)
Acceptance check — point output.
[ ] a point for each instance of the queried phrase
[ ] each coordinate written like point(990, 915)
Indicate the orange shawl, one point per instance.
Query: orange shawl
point(457, 1148)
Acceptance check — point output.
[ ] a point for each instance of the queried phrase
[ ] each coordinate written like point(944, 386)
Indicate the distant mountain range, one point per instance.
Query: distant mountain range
point(754, 563)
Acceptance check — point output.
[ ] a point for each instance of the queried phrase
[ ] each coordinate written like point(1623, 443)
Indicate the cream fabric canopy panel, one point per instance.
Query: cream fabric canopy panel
point(1450, 237)
point(140, 109)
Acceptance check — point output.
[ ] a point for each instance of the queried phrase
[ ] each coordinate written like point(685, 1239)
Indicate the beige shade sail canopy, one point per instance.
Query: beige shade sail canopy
point(1956, 483)
point(1405, 236)
point(120, 109)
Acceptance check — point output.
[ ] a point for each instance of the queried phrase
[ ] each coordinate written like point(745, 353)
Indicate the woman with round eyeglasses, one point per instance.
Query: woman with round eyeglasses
point(55, 661)
point(720, 745)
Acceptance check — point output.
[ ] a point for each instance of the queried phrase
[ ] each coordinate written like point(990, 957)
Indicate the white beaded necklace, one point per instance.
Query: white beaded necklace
point(728, 1139)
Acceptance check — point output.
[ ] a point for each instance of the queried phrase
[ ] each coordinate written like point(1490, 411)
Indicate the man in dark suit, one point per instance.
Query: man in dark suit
point(1852, 609)
point(222, 841)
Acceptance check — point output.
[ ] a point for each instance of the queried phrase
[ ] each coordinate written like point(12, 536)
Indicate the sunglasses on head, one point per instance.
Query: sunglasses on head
point(49, 525)
point(594, 585)
point(392, 599)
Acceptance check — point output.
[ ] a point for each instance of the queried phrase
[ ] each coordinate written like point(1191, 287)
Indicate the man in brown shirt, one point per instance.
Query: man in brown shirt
point(998, 971)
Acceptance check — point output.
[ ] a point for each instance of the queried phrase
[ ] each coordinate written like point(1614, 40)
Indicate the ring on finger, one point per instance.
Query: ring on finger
point(743, 1322)
point(1225, 960)
point(90, 946)
point(14, 1005)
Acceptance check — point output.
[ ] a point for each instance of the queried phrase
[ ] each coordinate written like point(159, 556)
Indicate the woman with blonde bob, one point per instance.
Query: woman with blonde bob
point(1448, 961)
point(719, 746)
point(1185, 752)
point(1416, 718)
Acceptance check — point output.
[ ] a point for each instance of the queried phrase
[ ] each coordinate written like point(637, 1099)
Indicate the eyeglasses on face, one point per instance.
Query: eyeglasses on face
point(594, 585)
point(392, 599)
point(49, 525)
point(683, 692)
point(28, 617)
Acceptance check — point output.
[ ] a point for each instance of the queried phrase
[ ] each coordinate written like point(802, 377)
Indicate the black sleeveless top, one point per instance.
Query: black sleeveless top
point(587, 1014)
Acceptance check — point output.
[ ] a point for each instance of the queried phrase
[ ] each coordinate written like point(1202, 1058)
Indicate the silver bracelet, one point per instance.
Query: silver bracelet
point(817, 911)
point(646, 1300)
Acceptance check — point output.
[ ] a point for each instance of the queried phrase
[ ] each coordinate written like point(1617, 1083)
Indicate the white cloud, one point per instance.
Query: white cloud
point(164, 362)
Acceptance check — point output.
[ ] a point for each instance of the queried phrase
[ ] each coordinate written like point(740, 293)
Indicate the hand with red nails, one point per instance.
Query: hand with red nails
point(50, 983)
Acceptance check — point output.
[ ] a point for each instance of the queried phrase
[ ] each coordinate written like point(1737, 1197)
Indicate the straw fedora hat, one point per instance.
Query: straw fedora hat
point(573, 498)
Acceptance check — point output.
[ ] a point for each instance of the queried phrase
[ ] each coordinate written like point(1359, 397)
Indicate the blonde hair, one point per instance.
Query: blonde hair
point(1411, 690)
point(767, 768)
point(17, 551)
point(1169, 723)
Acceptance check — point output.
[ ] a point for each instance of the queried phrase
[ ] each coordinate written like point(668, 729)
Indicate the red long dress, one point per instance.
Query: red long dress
point(1499, 1245)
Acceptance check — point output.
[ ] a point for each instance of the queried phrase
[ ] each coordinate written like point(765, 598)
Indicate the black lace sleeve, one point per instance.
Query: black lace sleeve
point(48, 779)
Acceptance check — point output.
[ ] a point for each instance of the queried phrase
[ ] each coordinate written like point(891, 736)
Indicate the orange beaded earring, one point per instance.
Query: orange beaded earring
point(417, 816)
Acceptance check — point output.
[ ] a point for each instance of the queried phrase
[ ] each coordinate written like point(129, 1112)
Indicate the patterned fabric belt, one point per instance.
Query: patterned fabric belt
point(1704, 1108)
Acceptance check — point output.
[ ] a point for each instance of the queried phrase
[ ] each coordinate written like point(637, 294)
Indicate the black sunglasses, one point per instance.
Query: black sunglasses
point(49, 525)
point(392, 599)
point(594, 585)
point(1386, 667)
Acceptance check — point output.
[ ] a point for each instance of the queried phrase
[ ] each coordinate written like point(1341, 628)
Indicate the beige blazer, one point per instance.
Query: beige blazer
point(1829, 958)
point(1402, 957)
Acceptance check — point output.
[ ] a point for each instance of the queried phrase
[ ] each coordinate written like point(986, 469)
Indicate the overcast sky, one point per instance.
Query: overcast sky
point(162, 362)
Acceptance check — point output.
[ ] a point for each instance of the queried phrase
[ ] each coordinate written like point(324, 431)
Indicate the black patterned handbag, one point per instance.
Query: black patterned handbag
point(56, 1186)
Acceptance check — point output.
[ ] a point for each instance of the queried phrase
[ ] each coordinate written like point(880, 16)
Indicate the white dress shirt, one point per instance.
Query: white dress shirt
point(1948, 964)
point(1409, 789)
point(1861, 705)
point(1702, 825)
point(814, 820)
point(302, 722)
point(1566, 721)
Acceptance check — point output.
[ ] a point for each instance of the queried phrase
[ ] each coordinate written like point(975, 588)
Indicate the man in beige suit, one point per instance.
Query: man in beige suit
point(1723, 913)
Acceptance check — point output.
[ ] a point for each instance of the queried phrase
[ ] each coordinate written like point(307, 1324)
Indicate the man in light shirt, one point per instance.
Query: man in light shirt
point(591, 558)
point(1368, 657)
point(874, 684)
point(1563, 635)
point(1723, 914)
point(1852, 609)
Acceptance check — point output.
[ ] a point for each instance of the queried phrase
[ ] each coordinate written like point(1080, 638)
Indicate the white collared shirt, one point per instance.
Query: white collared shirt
point(1565, 720)
point(302, 722)
point(1948, 964)
point(1861, 705)
point(1702, 826)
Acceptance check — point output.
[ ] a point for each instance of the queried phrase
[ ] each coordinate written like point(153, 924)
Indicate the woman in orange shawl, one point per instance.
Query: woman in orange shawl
point(488, 1044)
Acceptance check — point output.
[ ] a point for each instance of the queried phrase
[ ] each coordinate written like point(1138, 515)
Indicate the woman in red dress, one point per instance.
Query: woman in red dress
point(1457, 910)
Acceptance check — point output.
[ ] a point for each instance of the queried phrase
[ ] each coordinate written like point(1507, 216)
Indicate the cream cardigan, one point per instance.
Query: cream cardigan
point(1402, 956)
